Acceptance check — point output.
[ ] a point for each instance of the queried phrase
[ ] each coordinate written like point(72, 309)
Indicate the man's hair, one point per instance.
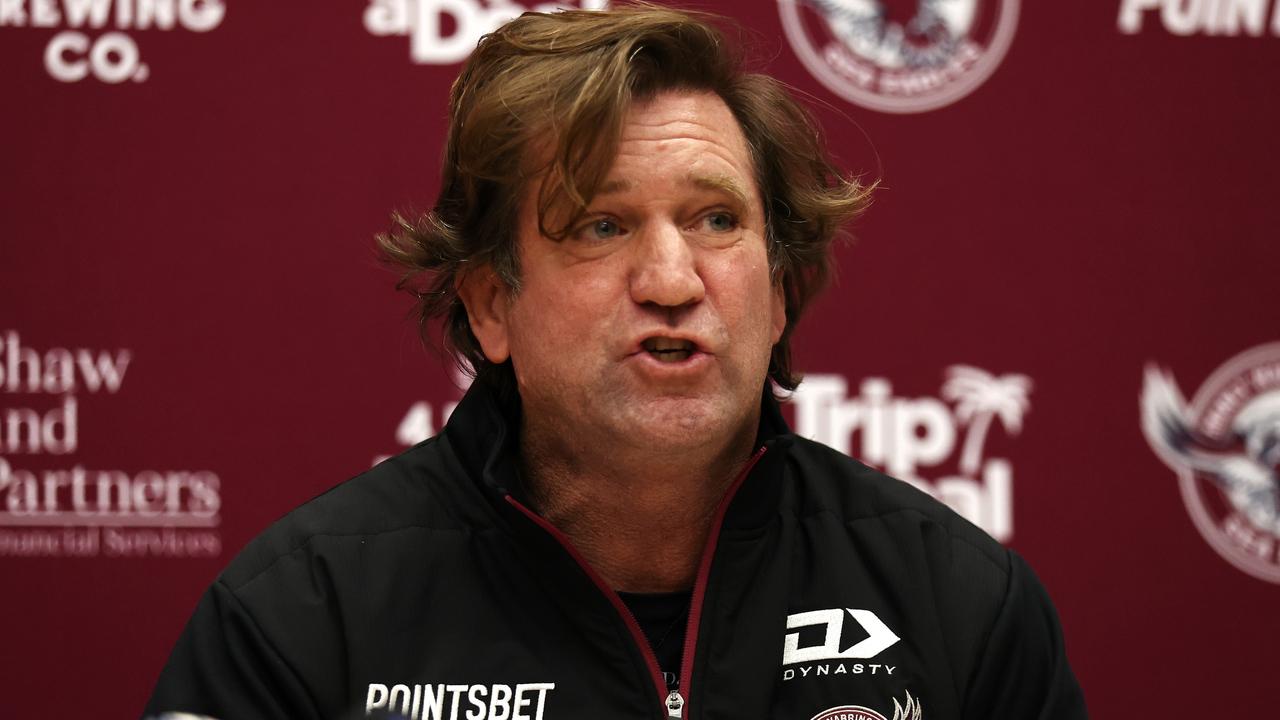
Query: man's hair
point(545, 97)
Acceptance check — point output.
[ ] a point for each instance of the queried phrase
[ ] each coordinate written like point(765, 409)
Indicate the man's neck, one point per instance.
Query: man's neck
point(641, 518)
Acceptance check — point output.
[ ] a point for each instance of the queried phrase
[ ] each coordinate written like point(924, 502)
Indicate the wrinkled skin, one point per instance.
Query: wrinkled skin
point(674, 248)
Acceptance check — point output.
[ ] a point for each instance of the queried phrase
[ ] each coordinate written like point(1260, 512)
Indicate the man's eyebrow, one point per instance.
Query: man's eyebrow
point(722, 183)
point(610, 187)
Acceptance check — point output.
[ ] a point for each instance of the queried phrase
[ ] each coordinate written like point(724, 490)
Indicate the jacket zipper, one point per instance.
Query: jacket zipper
point(678, 699)
point(673, 702)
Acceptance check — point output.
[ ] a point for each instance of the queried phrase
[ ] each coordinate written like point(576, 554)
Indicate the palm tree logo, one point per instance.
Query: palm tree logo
point(980, 397)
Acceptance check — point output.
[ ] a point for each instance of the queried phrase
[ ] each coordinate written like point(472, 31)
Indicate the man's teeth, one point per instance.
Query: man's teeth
point(668, 349)
point(670, 355)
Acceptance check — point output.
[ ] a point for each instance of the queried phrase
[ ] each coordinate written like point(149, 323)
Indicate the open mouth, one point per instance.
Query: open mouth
point(668, 349)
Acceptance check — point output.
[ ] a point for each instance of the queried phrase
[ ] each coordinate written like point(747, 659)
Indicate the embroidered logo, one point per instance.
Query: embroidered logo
point(909, 711)
point(878, 636)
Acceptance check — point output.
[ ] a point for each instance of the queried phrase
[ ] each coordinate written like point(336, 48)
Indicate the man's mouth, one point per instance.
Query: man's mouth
point(668, 349)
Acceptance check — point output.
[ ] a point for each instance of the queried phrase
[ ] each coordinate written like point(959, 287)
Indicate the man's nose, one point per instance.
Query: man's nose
point(665, 268)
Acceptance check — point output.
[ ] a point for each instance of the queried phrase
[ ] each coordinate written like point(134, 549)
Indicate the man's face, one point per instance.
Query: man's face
point(652, 323)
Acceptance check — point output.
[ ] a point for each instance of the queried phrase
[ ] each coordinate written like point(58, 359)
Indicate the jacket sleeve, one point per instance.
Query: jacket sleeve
point(224, 667)
point(1023, 672)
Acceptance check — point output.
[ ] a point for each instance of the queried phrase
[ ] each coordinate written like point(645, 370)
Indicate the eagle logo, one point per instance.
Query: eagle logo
point(1225, 447)
point(900, 56)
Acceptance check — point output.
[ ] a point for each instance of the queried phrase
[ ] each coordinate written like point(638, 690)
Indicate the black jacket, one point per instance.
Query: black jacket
point(426, 587)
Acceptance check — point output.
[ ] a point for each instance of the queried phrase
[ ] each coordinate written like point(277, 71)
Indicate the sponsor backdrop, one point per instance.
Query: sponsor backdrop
point(1061, 316)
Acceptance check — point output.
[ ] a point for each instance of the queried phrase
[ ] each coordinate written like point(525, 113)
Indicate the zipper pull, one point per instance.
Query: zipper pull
point(675, 704)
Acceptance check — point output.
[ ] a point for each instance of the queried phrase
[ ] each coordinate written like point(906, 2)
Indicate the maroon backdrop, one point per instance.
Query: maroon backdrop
point(195, 335)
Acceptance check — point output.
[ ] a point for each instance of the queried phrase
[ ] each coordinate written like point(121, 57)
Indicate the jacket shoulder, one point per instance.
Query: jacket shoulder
point(423, 488)
point(832, 482)
point(998, 627)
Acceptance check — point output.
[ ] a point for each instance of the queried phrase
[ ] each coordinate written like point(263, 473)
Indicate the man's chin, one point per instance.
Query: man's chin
point(671, 424)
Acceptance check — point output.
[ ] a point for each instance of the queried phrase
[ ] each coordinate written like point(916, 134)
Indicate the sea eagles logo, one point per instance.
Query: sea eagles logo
point(910, 711)
point(900, 56)
point(1225, 448)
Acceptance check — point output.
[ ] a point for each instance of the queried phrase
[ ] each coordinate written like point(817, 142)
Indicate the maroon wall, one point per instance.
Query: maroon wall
point(195, 335)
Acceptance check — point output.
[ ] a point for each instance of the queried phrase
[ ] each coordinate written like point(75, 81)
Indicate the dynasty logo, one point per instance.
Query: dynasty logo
point(900, 56)
point(816, 639)
point(1225, 448)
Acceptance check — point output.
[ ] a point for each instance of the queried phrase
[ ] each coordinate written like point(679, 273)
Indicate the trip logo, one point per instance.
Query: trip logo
point(1224, 447)
point(905, 436)
point(900, 56)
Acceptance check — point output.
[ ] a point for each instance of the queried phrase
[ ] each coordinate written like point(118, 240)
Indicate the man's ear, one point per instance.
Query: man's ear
point(484, 295)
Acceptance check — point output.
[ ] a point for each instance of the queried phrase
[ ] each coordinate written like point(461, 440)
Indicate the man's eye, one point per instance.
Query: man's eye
point(601, 229)
point(721, 222)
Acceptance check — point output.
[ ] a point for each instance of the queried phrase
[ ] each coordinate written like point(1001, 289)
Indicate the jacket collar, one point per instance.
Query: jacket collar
point(484, 431)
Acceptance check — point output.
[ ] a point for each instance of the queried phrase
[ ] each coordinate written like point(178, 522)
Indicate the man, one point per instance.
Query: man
point(616, 522)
